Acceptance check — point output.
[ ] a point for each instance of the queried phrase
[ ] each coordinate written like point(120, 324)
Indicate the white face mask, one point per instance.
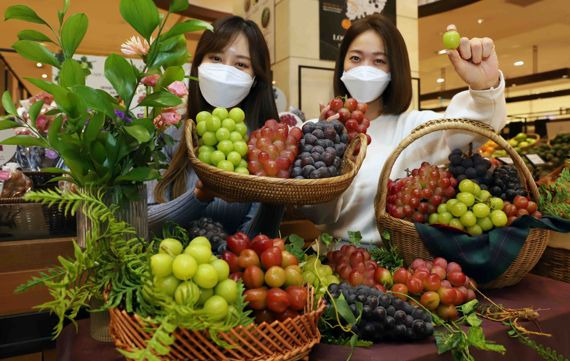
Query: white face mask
point(365, 83)
point(223, 85)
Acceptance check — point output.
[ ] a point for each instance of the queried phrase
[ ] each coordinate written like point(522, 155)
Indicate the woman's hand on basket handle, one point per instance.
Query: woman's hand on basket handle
point(324, 110)
point(475, 61)
point(206, 195)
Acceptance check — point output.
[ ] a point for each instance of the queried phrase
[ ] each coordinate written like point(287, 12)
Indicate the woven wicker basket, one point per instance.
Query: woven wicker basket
point(555, 264)
point(404, 234)
point(251, 188)
point(289, 340)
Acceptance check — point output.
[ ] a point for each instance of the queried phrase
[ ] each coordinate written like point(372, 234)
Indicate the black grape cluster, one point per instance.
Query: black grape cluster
point(506, 183)
point(320, 150)
point(210, 229)
point(473, 167)
point(384, 317)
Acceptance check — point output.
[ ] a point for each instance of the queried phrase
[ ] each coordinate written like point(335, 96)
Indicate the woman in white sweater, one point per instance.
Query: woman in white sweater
point(373, 67)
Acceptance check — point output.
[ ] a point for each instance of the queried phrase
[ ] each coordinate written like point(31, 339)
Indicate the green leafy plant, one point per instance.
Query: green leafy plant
point(546, 353)
point(387, 255)
point(99, 136)
point(555, 198)
point(454, 339)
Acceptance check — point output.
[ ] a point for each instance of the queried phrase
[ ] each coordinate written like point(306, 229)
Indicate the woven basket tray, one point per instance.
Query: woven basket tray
point(251, 188)
point(404, 234)
point(289, 340)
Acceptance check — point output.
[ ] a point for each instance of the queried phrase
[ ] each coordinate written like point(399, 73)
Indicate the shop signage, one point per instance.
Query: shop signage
point(505, 160)
point(534, 159)
point(335, 16)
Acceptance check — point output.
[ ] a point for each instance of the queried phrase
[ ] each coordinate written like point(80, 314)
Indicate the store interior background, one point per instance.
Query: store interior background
point(532, 39)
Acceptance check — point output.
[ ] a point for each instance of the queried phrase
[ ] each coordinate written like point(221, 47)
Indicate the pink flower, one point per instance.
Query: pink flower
point(43, 96)
point(42, 123)
point(150, 80)
point(135, 46)
point(22, 131)
point(178, 88)
point(167, 118)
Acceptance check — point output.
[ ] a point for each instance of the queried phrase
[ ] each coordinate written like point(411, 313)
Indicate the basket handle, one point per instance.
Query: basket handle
point(449, 124)
point(189, 135)
point(357, 159)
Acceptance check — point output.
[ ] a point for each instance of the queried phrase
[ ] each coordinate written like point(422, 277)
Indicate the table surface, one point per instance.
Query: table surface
point(533, 291)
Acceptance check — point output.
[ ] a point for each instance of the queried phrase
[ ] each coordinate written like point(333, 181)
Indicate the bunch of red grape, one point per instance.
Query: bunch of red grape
point(351, 114)
point(272, 149)
point(288, 119)
point(415, 197)
point(521, 205)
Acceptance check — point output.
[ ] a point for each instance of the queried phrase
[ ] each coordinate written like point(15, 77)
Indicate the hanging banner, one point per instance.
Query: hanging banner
point(262, 12)
point(336, 16)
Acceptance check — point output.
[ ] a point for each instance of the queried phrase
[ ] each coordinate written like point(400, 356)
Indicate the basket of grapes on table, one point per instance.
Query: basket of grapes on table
point(278, 163)
point(468, 199)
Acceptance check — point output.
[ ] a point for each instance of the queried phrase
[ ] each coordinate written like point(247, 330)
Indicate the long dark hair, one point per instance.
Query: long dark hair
point(259, 105)
point(398, 94)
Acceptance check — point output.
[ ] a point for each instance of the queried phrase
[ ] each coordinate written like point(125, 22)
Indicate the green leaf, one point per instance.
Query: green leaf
point(141, 14)
point(24, 141)
point(344, 310)
point(468, 307)
point(178, 5)
point(473, 320)
point(96, 99)
point(140, 174)
point(476, 337)
point(73, 159)
point(61, 13)
point(23, 12)
point(71, 74)
point(170, 75)
point(161, 99)
point(386, 235)
point(34, 35)
point(295, 246)
point(354, 237)
point(140, 133)
point(35, 111)
point(54, 170)
point(326, 238)
point(8, 124)
point(72, 33)
point(446, 341)
point(94, 127)
point(171, 52)
point(53, 132)
point(35, 51)
point(8, 104)
point(121, 75)
point(187, 26)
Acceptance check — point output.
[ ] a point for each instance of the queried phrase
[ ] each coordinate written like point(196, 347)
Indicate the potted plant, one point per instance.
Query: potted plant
point(109, 151)
point(102, 142)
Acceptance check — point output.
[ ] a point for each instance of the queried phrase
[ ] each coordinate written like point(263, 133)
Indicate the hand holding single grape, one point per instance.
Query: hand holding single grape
point(474, 60)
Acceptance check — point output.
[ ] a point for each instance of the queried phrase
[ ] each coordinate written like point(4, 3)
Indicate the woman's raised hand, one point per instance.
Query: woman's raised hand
point(475, 61)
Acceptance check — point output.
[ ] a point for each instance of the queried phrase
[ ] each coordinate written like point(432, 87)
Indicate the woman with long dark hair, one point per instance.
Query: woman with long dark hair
point(373, 67)
point(233, 67)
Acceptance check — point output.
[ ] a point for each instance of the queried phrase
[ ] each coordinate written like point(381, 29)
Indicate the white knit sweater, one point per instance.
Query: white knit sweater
point(354, 210)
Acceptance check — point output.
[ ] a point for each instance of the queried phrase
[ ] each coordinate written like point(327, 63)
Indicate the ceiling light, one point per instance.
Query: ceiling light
point(480, 21)
point(44, 76)
point(442, 51)
point(564, 76)
point(39, 65)
point(439, 80)
point(518, 63)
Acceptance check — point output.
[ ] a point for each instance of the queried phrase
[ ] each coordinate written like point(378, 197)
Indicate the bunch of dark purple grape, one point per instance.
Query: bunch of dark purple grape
point(210, 229)
point(384, 317)
point(320, 150)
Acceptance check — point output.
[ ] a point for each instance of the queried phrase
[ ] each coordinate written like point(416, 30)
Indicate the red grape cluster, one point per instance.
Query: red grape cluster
point(355, 265)
point(351, 114)
point(521, 205)
point(272, 149)
point(288, 119)
point(415, 197)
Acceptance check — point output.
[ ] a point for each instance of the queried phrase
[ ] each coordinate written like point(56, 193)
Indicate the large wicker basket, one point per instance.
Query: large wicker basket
point(555, 264)
point(251, 188)
point(287, 340)
point(404, 234)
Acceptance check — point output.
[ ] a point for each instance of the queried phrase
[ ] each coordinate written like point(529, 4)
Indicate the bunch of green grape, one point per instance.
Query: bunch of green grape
point(472, 210)
point(223, 137)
